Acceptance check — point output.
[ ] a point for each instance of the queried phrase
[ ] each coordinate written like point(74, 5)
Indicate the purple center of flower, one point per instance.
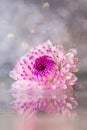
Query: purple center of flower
point(43, 65)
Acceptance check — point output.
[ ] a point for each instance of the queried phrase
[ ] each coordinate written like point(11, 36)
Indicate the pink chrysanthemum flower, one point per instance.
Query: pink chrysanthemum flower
point(45, 79)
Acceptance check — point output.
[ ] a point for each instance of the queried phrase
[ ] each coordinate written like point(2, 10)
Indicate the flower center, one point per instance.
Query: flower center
point(43, 64)
point(40, 63)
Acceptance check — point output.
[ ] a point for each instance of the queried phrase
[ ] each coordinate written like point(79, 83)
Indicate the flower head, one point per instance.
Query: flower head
point(44, 79)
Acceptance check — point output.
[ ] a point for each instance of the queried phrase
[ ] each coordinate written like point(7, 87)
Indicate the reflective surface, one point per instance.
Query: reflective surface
point(11, 122)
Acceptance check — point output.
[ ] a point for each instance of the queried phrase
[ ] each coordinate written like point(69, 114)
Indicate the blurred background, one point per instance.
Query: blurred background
point(27, 23)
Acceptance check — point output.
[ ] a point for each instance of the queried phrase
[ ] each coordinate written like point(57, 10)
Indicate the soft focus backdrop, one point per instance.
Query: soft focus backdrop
point(27, 23)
